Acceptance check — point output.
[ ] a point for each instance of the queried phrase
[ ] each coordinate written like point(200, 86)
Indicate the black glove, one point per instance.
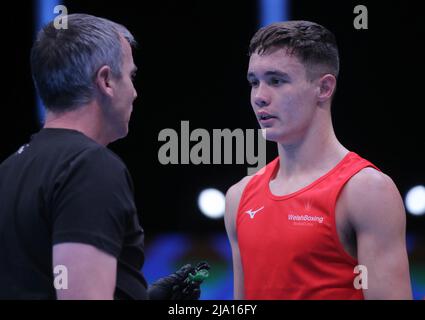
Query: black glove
point(180, 285)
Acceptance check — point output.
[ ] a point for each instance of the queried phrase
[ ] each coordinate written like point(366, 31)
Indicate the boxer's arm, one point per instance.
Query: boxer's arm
point(233, 197)
point(377, 215)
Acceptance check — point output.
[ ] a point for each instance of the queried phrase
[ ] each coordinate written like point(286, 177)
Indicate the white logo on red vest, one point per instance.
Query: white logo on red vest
point(305, 218)
point(253, 212)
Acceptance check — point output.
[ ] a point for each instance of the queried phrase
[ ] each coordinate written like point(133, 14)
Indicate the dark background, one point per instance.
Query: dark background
point(192, 61)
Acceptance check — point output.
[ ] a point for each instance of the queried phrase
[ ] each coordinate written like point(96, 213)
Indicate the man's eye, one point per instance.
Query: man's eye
point(276, 81)
point(253, 83)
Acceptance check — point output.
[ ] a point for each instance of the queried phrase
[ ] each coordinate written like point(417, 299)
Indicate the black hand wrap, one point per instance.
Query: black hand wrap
point(178, 285)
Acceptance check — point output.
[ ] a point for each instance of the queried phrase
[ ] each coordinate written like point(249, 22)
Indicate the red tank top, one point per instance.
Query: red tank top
point(289, 245)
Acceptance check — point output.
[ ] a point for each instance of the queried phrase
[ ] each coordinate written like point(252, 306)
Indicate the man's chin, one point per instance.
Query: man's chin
point(119, 134)
point(269, 134)
point(124, 133)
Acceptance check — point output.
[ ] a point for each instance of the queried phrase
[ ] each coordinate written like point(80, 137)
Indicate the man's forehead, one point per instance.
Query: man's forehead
point(277, 60)
point(127, 53)
point(126, 47)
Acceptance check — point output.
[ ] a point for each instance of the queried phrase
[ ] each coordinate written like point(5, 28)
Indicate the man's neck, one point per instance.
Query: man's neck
point(86, 119)
point(317, 152)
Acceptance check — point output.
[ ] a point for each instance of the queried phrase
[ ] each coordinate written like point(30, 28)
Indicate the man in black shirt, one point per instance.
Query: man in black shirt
point(66, 201)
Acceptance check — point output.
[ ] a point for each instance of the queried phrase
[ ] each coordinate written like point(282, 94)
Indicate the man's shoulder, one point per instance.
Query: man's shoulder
point(99, 157)
point(371, 195)
point(236, 190)
point(233, 197)
point(370, 182)
point(68, 152)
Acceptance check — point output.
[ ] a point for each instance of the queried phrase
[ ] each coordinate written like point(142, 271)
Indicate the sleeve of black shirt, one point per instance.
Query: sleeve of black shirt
point(93, 200)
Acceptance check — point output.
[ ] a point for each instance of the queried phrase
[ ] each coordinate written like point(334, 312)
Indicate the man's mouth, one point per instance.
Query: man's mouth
point(266, 117)
point(263, 116)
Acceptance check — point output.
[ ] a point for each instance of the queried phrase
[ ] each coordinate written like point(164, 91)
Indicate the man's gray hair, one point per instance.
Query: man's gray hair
point(64, 62)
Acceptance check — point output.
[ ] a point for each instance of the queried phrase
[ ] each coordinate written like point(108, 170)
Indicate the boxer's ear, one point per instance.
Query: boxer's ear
point(326, 87)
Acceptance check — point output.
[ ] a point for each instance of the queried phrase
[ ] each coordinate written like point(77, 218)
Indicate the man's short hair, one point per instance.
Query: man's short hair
point(64, 62)
point(314, 45)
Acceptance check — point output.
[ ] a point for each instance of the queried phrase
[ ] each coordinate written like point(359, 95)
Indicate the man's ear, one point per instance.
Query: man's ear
point(104, 81)
point(327, 84)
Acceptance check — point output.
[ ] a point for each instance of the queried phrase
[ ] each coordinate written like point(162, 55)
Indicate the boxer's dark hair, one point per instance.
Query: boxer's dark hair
point(314, 45)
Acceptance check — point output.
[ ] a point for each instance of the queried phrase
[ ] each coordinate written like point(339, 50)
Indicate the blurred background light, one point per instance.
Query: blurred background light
point(211, 202)
point(415, 200)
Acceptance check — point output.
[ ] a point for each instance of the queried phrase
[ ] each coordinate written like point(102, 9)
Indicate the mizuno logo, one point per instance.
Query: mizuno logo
point(253, 212)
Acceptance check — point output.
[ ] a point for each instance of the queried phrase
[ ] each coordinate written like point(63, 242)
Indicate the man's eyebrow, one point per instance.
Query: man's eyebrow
point(134, 70)
point(270, 73)
point(250, 75)
point(277, 73)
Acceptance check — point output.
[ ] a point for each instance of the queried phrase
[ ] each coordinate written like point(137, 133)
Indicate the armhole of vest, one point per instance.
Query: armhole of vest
point(251, 181)
point(240, 202)
point(335, 196)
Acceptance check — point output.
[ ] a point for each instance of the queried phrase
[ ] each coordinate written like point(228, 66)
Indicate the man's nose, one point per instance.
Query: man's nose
point(262, 96)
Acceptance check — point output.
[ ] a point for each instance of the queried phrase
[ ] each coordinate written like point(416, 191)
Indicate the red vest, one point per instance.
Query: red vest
point(289, 244)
